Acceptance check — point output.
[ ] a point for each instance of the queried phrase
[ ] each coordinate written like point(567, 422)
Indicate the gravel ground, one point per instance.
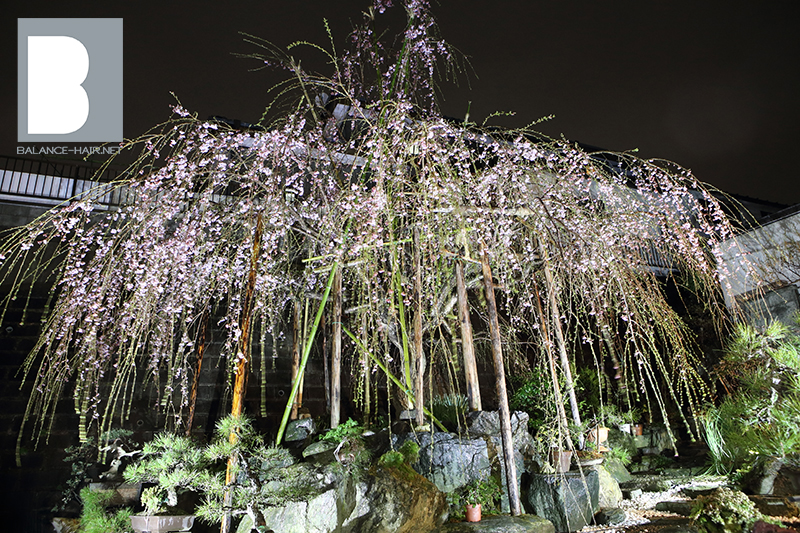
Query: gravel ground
point(642, 517)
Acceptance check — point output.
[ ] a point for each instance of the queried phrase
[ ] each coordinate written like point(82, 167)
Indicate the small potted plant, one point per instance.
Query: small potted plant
point(589, 456)
point(175, 464)
point(479, 492)
point(157, 517)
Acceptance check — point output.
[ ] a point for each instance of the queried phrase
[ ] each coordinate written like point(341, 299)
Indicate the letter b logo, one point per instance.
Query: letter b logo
point(70, 80)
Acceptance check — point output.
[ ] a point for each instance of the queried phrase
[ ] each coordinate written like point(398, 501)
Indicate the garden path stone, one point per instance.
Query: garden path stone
point(525, 523)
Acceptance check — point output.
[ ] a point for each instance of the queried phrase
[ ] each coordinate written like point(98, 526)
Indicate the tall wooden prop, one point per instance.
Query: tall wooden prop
point(555, 313)
point(419, 389)
point(467, 346)
point(242, 365)
point(502, 394)
point(336, 351)
point(297, 341)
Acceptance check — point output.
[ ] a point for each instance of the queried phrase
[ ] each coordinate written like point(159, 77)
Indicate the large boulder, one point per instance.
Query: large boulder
point(331, 500)
point(617, 470)
point(383, 500)
point(609, 493)
point(396, 500)
point(568, 500)
point(451, 461)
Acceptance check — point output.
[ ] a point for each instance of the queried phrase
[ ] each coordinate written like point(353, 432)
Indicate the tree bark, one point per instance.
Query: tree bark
point(201, 348)
point(502, 394)
point(242, 366)
point(336, 351)
point(467, 346)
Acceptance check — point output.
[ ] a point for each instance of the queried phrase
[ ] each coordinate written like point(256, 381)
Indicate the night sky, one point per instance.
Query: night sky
point(713, 86)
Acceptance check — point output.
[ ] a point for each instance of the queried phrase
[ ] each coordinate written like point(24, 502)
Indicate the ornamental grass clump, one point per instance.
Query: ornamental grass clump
point(359, 188)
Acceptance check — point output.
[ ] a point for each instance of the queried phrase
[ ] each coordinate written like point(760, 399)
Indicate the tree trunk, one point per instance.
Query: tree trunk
point(242, 366)
point(502, 394)
point(201, 348)
point(336, 351)
point(467, 347)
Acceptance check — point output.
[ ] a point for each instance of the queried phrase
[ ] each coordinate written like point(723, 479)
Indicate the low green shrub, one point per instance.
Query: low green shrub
point(726, 511)
point(95, 518)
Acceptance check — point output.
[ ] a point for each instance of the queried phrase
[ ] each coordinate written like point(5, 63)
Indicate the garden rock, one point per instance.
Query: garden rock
point(617, 470)
point(679, 507)
point(300, 429)
point(568, 500)
point(763, 527)
point(501, 524)
point(331, 503)
point(609, 494)
point(320, 452)
point(396, 500)
point(776, 506)
point(451, 461)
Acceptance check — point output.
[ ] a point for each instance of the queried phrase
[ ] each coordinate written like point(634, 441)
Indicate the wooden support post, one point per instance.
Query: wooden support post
point(297, 341)
point(326, 356)
point(502, 394)
point(336, 351)
point(419, 390)
point(467, 346)
point(555, 313)
point(366, 365)
point(242, 364)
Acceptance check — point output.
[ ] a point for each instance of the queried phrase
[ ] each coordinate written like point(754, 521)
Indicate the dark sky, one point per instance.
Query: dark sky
point(714, 86)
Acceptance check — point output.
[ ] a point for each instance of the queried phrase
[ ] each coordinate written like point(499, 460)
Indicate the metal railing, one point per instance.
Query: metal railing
point(40, 182)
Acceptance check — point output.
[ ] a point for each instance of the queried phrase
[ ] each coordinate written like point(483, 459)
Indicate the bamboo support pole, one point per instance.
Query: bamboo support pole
point(336, 351)
point(502, 393)
point(419, 383)
point(307, 350)
point(366, 366)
